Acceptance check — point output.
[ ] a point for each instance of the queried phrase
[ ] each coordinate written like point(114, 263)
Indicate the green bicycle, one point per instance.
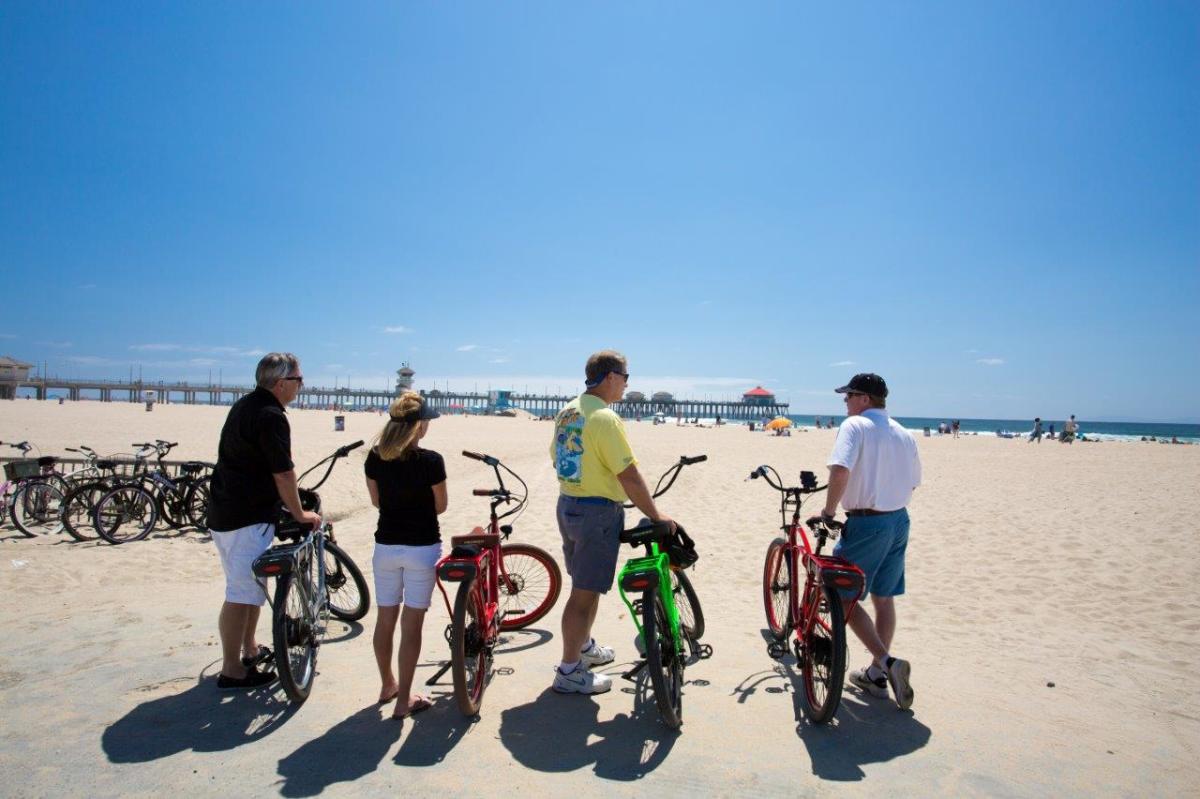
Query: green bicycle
point(665, 607)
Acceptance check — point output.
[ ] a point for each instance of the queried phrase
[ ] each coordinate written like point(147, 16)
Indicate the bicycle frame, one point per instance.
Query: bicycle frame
point(651, 571)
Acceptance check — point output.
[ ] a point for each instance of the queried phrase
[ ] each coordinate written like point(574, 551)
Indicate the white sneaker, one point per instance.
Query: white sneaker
point(877, 688)
point(898, 672)
point(581, 681)
point(596, 655)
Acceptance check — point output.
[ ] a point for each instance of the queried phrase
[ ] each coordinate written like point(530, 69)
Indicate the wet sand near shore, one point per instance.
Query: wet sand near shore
point(1051, 620)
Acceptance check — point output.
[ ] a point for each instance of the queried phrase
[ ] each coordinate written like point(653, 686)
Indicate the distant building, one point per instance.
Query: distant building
point(404, 379)
point(635, 396)
point(758, 396)
point(12, 372)
point(662, 396)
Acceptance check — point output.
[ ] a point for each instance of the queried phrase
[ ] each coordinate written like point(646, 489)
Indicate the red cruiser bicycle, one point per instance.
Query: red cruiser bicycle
point(812, 607)
point(500, 587)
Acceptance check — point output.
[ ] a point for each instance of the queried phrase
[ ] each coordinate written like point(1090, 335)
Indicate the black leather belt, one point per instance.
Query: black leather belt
point(868, 512)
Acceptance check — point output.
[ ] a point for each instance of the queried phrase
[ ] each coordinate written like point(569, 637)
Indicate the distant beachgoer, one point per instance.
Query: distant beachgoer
point(818, 423)
point(1050, 432)
point(873, 470)
point(408, 486)
point(597, 472)
point(254, 472)
point(1036, 435)
point(1070, 430)
point(954, 427)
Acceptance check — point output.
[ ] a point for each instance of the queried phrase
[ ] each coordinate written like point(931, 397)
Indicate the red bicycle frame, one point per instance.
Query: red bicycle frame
point(819, 571)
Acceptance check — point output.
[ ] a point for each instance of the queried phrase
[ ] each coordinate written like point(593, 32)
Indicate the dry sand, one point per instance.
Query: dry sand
point(1028, 565)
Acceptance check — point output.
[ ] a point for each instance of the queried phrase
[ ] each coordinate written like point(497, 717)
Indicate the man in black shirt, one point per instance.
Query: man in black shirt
point(254, 472)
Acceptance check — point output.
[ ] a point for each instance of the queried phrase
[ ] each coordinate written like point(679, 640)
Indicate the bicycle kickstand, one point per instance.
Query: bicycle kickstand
point(631, 675)
point(445, 667)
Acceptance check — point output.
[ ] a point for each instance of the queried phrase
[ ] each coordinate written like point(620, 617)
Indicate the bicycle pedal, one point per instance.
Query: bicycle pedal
point(776, 650)
point(704, 651)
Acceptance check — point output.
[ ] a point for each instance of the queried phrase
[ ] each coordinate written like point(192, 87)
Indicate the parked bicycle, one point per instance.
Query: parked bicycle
point(79, 504)
point(500, 587)
point(130, 510)
point(37, 491)
point(314, 578)
point(810, 607)
point(671, 620)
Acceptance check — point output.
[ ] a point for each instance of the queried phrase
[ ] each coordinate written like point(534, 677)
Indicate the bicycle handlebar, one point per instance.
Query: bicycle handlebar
point(344, 451)
point(686, 461)
point(491, 492)
point(477, 456)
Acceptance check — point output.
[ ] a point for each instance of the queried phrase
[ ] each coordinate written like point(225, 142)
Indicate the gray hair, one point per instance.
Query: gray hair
point(273, 367)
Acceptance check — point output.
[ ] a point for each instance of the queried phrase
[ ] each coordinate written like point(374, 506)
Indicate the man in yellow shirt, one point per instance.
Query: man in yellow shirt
point(597, 473)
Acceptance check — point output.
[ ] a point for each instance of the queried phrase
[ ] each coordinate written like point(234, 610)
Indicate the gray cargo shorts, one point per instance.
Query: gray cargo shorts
point(591, 534)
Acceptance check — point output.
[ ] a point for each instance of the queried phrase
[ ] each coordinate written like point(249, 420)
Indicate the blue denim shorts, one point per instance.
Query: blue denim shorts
point(591, 536)
point(876, 544)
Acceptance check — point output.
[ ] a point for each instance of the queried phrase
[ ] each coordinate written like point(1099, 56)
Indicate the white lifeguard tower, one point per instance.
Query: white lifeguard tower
point(404, 379)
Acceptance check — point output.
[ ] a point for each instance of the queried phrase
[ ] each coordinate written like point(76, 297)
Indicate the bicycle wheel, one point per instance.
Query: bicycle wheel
point(823, 664)
point(126, 513)
point(79, 507)
point(662, 660)
point(197, 503)
point(37, 507)
point(172, 507)
point(295, 633)
point(777, 589)
point(529, 581)
point(468, 648)
point(691, 617)
point(349, 597)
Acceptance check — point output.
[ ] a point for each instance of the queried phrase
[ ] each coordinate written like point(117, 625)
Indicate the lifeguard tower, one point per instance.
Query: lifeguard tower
point(404, 379)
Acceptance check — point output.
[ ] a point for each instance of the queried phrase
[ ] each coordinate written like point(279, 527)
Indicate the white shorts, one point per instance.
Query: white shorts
point(405, 574)
point(239, 549)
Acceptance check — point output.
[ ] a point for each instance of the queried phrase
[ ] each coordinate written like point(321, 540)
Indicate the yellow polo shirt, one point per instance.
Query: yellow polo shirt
point(589, 449)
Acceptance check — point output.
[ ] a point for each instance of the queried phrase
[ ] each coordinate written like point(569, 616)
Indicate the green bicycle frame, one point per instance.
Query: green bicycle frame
point(641, 574)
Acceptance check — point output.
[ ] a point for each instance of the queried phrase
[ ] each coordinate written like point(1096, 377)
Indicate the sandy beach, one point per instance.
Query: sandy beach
point(1052, 621)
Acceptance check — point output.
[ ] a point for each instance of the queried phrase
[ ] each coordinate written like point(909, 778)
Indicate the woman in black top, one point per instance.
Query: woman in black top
point(408, 485)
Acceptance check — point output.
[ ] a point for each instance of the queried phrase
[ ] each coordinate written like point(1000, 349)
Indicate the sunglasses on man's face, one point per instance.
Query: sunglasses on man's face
point(850, 394)
point(299, 379)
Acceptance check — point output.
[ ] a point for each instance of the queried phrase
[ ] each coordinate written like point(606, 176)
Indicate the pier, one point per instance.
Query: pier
point(346, 398)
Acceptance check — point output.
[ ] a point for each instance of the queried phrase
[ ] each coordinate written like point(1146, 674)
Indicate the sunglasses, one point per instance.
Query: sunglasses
point(299, 379)
point(850, 394)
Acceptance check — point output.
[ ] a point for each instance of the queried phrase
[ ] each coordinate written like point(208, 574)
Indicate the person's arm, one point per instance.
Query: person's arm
point(289, 492)
point(441, 498)
point(373, 490)
point(839, 476)
point(635, 488)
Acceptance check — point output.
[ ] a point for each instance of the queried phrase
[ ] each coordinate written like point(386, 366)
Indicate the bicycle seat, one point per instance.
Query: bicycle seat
point(645, 533)
point(192, 467)
point(47, 460)
point(106, 465)
point(467, 551)
point(479, 539)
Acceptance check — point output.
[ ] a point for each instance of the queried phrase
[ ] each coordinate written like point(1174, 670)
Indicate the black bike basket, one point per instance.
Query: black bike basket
point(22, 469)
point(680, 549)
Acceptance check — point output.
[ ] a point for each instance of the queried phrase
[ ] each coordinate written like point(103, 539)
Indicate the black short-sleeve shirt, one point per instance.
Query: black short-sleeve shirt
point(256, 443)
point(406, 510)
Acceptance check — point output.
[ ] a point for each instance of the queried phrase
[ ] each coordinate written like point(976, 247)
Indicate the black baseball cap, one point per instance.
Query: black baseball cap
point(423, 411)
point(865, 383)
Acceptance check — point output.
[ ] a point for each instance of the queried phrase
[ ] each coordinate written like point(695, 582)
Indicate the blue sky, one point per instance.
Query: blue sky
point(994, 205)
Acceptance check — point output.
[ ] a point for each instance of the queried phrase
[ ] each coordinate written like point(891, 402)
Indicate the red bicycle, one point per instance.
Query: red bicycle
point(812, 609)
point(500, 587)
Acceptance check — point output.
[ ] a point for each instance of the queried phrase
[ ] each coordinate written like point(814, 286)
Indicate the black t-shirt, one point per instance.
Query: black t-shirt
point(406, 511)
point(256, 443)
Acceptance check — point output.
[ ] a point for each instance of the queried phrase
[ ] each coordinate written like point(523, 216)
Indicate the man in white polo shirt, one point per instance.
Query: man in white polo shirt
point(873, 470)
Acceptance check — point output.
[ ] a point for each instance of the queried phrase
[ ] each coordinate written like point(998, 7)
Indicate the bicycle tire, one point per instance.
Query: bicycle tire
point(172, 506)
point(197, 503)
point(662, 660)
point(294, 638)
point(777, 587)
point(687, 603)
point(37, 508)
point(349, 597)
point(79, 509)
point(528, 575)
point(126, 513)
point(468, 649)
point(823, 665)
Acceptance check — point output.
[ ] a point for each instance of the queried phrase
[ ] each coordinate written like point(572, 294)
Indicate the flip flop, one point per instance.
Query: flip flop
point(421, 705)
point(264, 654)
point(383, 700)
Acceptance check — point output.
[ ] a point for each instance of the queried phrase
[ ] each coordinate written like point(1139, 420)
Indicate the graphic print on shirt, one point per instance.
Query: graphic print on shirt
point(568, 446)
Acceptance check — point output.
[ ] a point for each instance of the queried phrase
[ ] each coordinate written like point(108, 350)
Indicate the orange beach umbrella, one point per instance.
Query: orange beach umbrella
point(779, 422)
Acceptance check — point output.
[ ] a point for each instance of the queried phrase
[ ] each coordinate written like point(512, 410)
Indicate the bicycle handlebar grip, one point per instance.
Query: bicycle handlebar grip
point(686, 461)
point(475, 456)
point(344, 451)
point(482, 492)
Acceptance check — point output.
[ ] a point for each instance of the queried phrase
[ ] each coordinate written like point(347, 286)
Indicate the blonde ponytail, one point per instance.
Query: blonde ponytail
point(398, 439)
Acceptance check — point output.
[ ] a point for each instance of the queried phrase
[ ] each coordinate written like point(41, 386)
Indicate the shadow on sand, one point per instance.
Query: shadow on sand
point(864, 730)
point(201, 719)
point(552, 734)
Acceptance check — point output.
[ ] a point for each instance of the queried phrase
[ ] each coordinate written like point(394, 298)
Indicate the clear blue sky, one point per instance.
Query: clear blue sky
point(994, 205)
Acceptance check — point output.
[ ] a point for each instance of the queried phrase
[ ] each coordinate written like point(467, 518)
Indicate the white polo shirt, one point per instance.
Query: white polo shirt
point(882, 458)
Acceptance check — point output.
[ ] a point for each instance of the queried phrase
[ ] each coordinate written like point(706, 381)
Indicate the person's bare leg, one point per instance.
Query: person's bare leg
point(385, 629)
point(885, 619)
point(411, 621)
point(249, 638)
point(232, 626)
point(578, 614)
point(860, 622)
